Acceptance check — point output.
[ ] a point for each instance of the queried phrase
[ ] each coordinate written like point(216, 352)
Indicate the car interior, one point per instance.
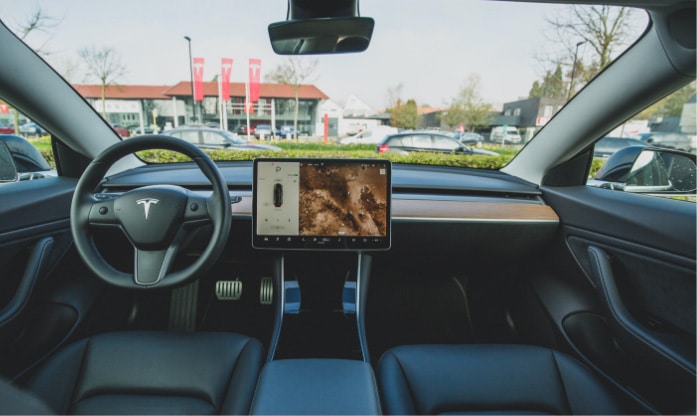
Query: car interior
point(347, 286)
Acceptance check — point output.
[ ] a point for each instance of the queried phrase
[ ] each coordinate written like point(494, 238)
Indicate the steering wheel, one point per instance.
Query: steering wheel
point(155, 218)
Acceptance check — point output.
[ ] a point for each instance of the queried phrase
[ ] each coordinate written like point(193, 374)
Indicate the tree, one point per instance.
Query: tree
point(670, 106)
point(475, 111)
point(552, 85)
point(404, 115)
point(604, 29)
point(294, 71)
point(393, 96)
point(37, 21)
point(105, 65)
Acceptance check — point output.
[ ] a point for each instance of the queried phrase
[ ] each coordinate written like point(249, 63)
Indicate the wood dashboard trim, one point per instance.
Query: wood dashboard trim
point(470, 211)
point(447, 211)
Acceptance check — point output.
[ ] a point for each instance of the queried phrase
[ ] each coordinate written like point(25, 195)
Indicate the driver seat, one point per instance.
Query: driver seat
point(141, 372)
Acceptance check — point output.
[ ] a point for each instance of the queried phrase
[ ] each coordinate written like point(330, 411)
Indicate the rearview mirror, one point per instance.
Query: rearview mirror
point(8, 170)
point(648, 170)
point(321, 36)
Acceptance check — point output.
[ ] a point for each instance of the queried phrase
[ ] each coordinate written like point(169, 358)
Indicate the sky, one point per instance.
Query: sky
point(430, 47)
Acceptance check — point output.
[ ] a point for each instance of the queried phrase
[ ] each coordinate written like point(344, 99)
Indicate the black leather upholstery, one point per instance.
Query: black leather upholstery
point(437, 379)
point(318, 386)
point(151, 373)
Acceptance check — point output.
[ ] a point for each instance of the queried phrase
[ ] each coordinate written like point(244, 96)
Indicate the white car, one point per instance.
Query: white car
point(372, 136)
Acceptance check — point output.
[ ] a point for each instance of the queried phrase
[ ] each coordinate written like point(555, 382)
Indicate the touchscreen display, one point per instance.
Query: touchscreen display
point(336, 204)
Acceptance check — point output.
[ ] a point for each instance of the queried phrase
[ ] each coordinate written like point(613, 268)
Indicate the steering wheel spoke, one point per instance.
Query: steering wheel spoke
point(152, 265)
point(197, 208)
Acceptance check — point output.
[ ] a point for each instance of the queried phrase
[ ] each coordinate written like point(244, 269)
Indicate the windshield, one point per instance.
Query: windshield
point(473, 67)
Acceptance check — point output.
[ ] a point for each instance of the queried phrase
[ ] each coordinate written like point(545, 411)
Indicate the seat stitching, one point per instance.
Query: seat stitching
point(561, 380)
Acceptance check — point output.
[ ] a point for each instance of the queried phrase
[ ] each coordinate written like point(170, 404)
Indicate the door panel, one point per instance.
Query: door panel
point(635, 255)
point(34, 240)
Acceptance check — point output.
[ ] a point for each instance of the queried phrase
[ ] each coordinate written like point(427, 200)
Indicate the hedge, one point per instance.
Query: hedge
point(318, 150)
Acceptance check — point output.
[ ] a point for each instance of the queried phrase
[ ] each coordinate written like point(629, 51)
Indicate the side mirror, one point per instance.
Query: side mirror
point(8, 170)
point(648, 170)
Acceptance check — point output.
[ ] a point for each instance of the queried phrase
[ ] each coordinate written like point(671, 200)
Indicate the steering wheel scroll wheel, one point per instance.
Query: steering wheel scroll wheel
point(154, 218)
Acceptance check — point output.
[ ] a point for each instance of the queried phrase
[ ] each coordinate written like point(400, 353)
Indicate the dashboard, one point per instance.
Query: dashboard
point(482, 212)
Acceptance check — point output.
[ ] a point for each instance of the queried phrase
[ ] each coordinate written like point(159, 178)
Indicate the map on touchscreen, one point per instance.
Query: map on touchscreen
point(322, 203)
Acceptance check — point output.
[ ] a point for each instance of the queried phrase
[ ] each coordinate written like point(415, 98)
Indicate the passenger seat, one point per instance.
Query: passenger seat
point(497, 379)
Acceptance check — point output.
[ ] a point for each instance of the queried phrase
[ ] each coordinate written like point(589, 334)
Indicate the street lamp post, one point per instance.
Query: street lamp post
point(573, 70)
point(191, 74)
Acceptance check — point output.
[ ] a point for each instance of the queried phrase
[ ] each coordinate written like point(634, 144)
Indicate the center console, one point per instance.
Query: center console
point(321, 218)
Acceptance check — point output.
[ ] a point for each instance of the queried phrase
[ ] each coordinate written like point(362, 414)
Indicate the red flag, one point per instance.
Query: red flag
point(254, 77)
point(225, 72)
point(198, 79)
point(4, 108)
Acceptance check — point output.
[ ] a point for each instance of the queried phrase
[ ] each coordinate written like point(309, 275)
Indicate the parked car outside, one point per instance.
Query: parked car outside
point(263, 132)
point(608, 145)
point(286, 131)
point(405, 143)
point(210, 138)
point(677, 141)
point(469, 138)
point(31, 129)
point(122, 131)
point(7, 129)
point(242, 130)
point(371, 136)
point(510, 135)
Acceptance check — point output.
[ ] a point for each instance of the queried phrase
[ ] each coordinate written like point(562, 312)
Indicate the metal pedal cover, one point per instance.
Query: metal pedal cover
point(266, 291)
point(228, 289)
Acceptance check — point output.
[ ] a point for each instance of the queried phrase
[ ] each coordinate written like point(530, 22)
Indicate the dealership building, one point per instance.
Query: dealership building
point(135, 106)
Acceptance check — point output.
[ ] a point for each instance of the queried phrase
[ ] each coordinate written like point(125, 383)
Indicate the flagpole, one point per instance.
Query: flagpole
point(246, 106)
point(220, 102)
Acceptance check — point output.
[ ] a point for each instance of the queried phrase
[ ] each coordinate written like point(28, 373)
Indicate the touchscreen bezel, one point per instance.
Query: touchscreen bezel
point(322, 242)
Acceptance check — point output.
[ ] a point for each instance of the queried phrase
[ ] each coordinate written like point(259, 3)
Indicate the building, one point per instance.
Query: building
point(134, 106)
point(529, 114)
point(164, 106)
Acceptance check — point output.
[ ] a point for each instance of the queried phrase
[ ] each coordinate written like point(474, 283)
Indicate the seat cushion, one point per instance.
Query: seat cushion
point(437, 379)
point(151, 373)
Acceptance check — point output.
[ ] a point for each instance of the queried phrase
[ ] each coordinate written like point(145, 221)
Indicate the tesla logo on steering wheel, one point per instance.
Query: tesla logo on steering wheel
point(146, 202)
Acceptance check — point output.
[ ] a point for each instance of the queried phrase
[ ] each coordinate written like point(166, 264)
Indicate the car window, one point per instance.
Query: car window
point(443, 143)
point(422, 141)
point(668, 124)
point(191, 136)
point(212, 138)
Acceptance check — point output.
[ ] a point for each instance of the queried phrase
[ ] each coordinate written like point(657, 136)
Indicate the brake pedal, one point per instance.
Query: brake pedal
point(228, 289)
point(266, 291)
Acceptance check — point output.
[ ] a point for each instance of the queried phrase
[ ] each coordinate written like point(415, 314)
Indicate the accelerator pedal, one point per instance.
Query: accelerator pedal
point(266, 291)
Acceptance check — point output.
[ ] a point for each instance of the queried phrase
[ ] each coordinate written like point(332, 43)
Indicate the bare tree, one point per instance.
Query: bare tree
point(37, 21)
point(393, 96)
point(294, 71)
point(105, 65)
point(602, 30)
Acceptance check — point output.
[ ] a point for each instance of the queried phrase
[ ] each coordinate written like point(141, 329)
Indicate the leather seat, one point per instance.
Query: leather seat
point(436, 379)
point(151, 373)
